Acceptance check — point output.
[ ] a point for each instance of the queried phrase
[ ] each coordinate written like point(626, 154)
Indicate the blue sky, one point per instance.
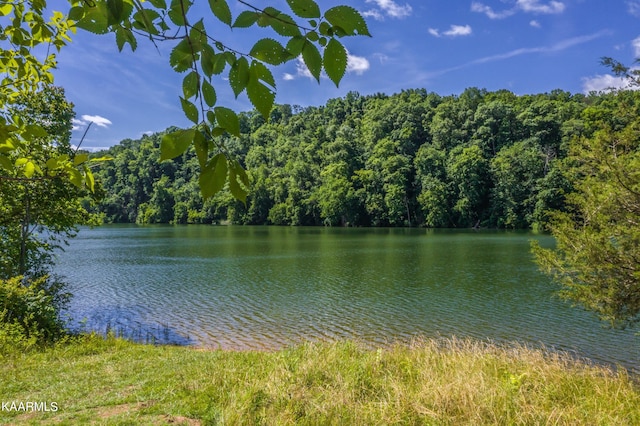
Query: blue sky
point(526, 46)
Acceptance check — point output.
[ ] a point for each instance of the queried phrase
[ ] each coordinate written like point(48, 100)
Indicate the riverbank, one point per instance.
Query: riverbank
point(113, 381)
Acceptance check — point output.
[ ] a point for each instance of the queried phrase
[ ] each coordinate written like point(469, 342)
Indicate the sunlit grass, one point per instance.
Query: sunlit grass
point(448, 382)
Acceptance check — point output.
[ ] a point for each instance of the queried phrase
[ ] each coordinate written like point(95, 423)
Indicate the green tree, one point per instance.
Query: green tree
point(39, 212)
point(597, 254)
point(516, 172)
point(199, 52)
point(434, 196)
point(468, 171)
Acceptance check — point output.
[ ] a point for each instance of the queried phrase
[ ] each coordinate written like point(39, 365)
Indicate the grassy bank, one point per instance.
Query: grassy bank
point(448, 382)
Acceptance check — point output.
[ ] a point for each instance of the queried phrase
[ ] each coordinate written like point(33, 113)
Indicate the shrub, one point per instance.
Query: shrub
point(30, 311)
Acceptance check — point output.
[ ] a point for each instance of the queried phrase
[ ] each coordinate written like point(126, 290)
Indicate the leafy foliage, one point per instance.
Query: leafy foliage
point(196, 52)
point(411, 159)
point(41, 205)
point(598, 237)
point(30, 312)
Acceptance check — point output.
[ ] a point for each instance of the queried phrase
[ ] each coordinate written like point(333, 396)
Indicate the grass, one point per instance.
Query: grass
point(444, 382)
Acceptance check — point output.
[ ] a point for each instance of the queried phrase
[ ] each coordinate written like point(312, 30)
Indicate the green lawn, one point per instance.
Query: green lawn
point(454, 382)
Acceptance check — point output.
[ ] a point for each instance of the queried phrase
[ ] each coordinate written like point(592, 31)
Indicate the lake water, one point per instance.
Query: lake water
point(268, 287)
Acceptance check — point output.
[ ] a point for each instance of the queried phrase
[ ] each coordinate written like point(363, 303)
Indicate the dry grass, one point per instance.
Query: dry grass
point(444, 382)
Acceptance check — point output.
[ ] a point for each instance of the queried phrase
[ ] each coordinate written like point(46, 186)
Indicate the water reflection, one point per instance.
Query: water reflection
point(264, 288)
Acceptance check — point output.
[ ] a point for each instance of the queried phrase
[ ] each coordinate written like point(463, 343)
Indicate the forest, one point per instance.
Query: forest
point(478, 159)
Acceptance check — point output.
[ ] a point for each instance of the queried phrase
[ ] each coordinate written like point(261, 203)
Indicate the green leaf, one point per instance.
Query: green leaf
point(5, 163)
point(211, 118)
point(207, 58)
point(219, 64)
point(246, 19)
point(261, 97)
point(221, 10)
point(284, 25)
point(202, 148)
point(80, 158)
point(190, 85)
point(239, 75)
point(143, 20)
point(75, 14)
point(198, 36)
point(259, 71)
point(89, 179)
point(95, 19)
point(335, 61)
point(176, 11)
point(295, 45)
point(175, 143)
point(304, 8)
point(34, 131)
point(101, 159)
point(213, 176)
point(270, 51)
point(312, 59)
point(124, 35)
point(118, 11)
point(228, 120)
point(181, 57)
point(238, 181)
point(29, 169)
point(190, 110)
point(160, 4)
point(217, 131)
point(348, 19)
point(75, 177)
point(209, 93)
point(325, 29)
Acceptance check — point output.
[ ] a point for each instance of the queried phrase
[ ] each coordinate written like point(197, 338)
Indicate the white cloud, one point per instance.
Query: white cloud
point(381, 57)
point(534, 6)
point(393, 9)
point(528, 6)
point(355, 64)
point(634, 8)
point(604, 83)
point(97, 120)
point(458, 30)
point(373, 13)
point(482, 8)
point(453, 31)
point(636, 46)
point(77, 124)
point(557, 47)
point(535, 24)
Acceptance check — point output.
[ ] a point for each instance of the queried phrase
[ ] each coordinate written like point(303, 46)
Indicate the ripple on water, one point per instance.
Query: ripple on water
point(255, 288)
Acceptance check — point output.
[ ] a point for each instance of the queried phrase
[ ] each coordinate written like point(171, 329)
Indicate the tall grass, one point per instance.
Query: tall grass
point(439, 382)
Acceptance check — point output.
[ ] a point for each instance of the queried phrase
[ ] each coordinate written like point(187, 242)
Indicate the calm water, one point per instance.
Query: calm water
point(267, 287)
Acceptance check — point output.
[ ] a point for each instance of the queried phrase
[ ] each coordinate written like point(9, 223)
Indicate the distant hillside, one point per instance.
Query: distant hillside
point(484, 159)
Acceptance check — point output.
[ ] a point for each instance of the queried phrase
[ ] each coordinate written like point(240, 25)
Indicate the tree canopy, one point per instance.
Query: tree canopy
point(411, 159)
point(597, 253)
point(198, 51)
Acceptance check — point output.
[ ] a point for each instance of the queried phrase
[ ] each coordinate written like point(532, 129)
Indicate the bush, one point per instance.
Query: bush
point(30, 311)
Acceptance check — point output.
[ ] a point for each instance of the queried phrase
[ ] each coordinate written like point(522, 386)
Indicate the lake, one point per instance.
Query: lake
point(268, 287)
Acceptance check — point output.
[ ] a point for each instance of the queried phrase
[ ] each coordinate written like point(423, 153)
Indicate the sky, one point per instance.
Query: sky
point(525, 46)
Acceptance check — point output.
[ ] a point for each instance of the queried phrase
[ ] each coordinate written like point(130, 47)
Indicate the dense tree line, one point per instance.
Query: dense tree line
point(478, 159)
